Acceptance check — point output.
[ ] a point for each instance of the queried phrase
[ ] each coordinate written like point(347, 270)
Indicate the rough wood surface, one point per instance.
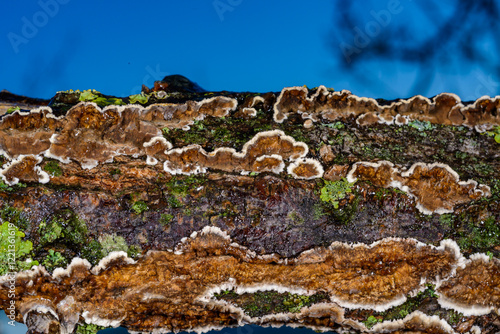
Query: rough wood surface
point(199, 210)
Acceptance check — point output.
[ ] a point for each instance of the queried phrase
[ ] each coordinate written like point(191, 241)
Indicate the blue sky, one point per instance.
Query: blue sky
point(236, 45)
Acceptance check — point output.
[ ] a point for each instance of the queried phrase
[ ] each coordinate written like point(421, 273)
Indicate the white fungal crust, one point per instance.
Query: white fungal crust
point(306, 169)
point(445, 108)
point(76, 264)
point(218, 245)
point(476, 293)
point(90, 135)
point(265, 152)
point(436, 187)
point(92, 317)
point(25, 167)
point(112, 258)
point(417, 321)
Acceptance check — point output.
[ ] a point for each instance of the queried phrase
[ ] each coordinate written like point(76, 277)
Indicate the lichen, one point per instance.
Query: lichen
point(12, 109)
point(334, 191)
point(112, 243)
point(14, 250)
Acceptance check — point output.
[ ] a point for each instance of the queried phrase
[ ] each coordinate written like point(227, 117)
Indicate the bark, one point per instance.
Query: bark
point(166, 231)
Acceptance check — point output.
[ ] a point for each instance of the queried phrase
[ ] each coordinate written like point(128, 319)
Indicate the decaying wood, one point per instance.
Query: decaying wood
point(195, 211)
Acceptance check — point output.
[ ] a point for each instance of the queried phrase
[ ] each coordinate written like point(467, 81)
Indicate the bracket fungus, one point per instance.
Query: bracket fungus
point(445, 108)
point(202, 210)
point(436, 187)
point(377, 276)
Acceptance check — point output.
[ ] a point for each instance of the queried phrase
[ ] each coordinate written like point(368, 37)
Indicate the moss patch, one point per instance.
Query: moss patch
point(53, 168)
point(270, 302)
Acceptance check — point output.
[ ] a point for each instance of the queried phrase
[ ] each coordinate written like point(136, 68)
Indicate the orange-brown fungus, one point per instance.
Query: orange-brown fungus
point(444, 109)
point(174, 288)
point(436, 187)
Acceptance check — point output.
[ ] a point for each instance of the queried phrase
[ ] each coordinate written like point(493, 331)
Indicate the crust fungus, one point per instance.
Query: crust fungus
point(27, 133)
point(375, 276)
point(182, 115)
point(436, 187)
point(475, 289)
point(91, 135)
point(305, 169)
point(248, 108)
point(24, 168)
point(445, 108)
point(265, 152)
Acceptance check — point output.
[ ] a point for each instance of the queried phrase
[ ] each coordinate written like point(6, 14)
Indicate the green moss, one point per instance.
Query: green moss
point(14, 216)
point(480, 236)
point(182, 185)
point(371, 321)
point(49, 232)
point(412, 304)
point(88, 329)
point(422, 126)
point(166, 219)
point(134, 251)
point(173, 202)
point(64, 227)
point(139, 207)
point(54, 260)
point(334, 191)
point(318, 211)
point(6, 187)
point(92, 252)
point(336, 125)
point(53, 168)
point(14, 250)
point(270, 302)
point(112, 243)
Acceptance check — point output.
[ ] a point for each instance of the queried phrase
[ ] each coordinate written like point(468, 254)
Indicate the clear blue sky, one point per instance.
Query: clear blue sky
point(237, 45)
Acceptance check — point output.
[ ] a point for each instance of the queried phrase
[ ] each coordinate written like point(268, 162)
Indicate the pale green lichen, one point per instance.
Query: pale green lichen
point(334, 191)
point(14, 250)
point(115, 243)
point(12, 109)
point(141, 98)
point(112, 243)
point(495, 133)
